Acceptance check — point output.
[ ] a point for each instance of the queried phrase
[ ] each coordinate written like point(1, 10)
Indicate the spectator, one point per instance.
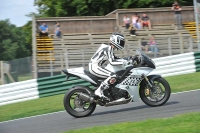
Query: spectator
point(178, 17)
point(145, 21)
point(138, 21)
point(135, 21)
point(144, 45)
point(43, 29)
point(126, 21)
point(153, 45)
point(57, 30)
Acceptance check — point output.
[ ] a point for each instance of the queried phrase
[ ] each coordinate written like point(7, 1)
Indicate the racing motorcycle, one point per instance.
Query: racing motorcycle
point(134, 81)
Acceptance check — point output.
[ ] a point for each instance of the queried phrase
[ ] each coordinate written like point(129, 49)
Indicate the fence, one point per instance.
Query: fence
point(43, 87)
point(16, 70)
point(78, 55)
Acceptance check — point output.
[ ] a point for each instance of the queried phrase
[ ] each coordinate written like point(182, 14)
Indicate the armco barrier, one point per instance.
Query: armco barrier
point(18, 92)
point(177, 64)
point(56, 85)
point(43, 87)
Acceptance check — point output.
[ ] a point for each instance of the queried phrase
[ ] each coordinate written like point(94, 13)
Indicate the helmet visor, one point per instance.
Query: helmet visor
point(122, 43)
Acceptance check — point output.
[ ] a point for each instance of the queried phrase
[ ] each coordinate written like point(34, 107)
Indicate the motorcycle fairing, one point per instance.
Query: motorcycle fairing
point(82, 73)
point(130, 84)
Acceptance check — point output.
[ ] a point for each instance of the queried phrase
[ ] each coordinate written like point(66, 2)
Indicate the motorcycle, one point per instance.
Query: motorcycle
point(134, 81)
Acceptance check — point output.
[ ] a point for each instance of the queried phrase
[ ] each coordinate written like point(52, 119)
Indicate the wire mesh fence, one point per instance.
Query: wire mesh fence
point(16, 70)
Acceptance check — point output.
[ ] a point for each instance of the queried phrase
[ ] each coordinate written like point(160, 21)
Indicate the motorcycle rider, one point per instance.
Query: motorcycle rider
point(105, 53)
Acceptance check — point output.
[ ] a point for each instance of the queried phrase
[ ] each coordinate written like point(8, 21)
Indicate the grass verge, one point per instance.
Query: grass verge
point(24, 77)
point(186, 123)
point(55, 103)
point(31, 108)
point(184, 82)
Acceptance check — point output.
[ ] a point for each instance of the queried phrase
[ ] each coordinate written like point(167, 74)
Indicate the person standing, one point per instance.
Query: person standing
point(178, 17)
point(126, 21)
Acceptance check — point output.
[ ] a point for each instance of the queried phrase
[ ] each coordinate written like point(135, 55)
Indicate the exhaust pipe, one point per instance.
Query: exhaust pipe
point(118, 102)
point(89, 99)
point(86, 97)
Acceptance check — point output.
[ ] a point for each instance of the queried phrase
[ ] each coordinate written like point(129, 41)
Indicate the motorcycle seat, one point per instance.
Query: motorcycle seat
point(95, 78)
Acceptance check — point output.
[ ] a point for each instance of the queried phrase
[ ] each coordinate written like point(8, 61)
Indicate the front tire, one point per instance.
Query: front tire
point(76, 107)
point(160, 97)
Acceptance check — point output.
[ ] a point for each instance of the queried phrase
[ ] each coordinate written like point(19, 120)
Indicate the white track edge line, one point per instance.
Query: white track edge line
point(186, 91)
point(32, 116)
point(64, 110)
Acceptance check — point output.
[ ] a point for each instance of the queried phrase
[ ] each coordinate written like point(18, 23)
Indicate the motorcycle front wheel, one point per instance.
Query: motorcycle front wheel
point(75, 106)
point(157, 98)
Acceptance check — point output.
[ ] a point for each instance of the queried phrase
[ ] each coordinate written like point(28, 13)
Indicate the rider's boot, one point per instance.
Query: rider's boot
point(99, 91)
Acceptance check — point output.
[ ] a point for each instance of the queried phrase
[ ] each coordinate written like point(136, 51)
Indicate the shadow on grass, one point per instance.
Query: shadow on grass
point(132, 108)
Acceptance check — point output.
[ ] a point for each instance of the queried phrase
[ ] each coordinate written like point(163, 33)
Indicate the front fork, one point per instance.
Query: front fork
point(149, 83)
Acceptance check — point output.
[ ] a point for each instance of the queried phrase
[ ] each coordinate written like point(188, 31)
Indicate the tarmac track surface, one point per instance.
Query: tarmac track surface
point(178, 103)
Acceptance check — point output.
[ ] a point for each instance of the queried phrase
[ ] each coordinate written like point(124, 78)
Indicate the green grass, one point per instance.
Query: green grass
point(55, 103)
point(31, 108)
point(184, 82)
point(24, 77)
point(187, 123)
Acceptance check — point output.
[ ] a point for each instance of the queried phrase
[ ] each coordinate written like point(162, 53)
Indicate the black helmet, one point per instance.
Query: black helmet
point(117, 40)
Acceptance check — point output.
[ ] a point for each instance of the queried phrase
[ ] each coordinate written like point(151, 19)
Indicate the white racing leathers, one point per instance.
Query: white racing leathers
point(104, 53)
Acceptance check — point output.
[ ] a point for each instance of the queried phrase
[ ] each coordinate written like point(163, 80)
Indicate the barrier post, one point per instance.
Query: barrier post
point(181, 42)
point(61, 60)
point(82, 51)
point(139, 43)
point(51, 65)
point(91, 27)
point(66, 59)
point(34, 50)
point(2, 72)
point(170, 45)
point(191, 44)
point(117, 22)
point(196, 14)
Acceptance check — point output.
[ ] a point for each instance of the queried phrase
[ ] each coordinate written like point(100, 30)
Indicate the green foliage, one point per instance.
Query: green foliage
point(15, 42)
point(63, 8)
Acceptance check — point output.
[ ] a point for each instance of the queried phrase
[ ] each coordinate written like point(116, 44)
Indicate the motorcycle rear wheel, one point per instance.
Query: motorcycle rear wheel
point(76, 107)
point(160, 97)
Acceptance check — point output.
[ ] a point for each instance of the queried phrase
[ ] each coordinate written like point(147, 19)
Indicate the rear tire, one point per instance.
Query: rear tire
point(146, 99)
point(67, 102)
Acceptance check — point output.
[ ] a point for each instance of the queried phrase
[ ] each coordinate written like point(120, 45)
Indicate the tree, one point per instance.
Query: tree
point(63, 8)
point(13, 43)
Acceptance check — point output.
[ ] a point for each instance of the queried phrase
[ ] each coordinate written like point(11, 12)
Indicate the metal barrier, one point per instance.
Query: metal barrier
point(177, 64)
point(56, 85)
point(49, 86)
point(18, 92)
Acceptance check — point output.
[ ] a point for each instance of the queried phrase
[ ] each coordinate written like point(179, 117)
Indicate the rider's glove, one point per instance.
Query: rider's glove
point(136, 60)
